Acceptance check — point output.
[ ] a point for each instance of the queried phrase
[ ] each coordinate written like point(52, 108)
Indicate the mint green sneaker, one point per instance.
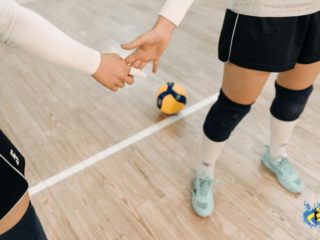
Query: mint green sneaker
point(202, 199)
point(286, 175)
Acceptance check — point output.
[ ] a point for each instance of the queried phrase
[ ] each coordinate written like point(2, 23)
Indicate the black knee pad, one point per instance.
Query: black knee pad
point(289, 104)
point(223, 117)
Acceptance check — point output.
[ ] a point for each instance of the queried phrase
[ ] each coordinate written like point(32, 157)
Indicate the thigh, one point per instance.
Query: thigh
point(28, 228)
point(299, 78)
point(15, 215)
point(243, 85)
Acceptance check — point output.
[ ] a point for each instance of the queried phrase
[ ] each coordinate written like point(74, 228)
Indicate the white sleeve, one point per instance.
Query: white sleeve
point(175, 10)
point(24, 29)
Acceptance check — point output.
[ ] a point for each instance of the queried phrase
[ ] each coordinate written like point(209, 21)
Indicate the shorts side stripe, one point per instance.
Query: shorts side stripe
point(234, 29)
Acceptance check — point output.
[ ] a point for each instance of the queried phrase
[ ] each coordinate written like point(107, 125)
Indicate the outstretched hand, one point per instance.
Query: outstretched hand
point(150, 45)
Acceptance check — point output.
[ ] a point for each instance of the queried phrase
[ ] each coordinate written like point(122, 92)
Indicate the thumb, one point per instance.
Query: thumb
point(134, 44)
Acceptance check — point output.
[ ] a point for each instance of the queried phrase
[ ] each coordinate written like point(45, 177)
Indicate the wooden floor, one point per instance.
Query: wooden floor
point(57, 118)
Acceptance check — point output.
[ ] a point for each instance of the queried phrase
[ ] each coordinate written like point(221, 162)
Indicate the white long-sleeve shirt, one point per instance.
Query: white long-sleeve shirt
point(175, 10)
point(24, 29)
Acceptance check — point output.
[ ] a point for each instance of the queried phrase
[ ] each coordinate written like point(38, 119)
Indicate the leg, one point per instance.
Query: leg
point(299, 80)
point(22, 223)
point(15, 215)
point(293, 89)
point(240, 88)
point(242, 85)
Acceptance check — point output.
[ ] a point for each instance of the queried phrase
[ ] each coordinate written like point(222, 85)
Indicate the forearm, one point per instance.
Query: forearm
point(164, 25)
point(23, 29)
point(175, 10)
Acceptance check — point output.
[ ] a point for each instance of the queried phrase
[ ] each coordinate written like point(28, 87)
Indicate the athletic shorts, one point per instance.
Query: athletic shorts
point(271, 44)
point(13, 185)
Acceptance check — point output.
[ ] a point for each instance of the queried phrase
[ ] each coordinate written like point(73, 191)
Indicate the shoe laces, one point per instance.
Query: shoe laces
point(285, 166)
point(206, 184)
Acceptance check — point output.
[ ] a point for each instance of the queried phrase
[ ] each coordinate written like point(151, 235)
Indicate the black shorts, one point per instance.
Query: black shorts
point(13, 185)
point(272, 44)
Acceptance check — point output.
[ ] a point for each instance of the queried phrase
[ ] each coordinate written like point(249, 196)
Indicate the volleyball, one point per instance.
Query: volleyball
point(171, 98)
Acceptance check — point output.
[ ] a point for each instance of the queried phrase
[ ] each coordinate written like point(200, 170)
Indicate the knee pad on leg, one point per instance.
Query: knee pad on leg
point(289, 104)
point(223, 117)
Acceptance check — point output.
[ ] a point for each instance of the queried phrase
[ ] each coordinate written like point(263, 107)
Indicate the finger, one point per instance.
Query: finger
point(134, 44)
point(120, 84)
point(155, 65)
point(142, 65)
point(137, 73)
point(131, 58)
point(128, 79)
point(136, 63)
point(114, 89)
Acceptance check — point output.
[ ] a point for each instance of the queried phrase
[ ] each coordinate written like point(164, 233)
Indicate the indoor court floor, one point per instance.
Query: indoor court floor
point(104, 165)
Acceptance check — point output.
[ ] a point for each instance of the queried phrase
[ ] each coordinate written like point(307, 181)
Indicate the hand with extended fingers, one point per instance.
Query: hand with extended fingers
point(150, 45)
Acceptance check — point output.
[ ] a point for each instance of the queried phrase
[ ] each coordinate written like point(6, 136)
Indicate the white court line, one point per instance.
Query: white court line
point(121, 145)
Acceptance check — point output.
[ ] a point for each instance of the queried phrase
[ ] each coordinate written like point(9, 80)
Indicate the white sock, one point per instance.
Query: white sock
point(279, 137)
point(210, 153)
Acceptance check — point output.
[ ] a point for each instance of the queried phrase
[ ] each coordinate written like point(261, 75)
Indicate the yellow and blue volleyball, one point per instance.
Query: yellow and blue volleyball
point(171, 98)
